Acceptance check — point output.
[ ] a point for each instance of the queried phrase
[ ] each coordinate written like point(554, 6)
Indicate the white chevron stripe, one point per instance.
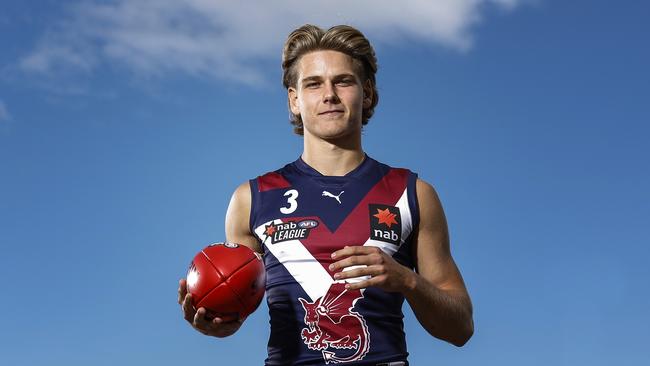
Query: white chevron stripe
point(304, 268)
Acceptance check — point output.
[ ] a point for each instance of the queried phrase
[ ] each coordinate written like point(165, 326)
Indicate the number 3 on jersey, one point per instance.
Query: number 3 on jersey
point(291, 200)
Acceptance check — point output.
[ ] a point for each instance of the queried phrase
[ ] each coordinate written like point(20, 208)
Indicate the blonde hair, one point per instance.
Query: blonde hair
point(342, 38)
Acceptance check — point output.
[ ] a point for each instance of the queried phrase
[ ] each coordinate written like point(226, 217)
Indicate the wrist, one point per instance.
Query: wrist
point(410, 282)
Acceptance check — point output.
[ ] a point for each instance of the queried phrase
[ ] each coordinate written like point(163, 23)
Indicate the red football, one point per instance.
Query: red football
point(227, 279)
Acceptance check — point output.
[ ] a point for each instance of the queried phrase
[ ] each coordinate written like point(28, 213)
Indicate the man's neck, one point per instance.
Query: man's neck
point(332, 158)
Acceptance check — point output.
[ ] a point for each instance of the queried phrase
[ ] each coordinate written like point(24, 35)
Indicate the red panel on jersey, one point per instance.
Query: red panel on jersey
point(272, 181)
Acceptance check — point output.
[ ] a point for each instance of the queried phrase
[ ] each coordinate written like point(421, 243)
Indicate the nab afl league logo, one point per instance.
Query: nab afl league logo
point(290, 230)
point(385, 223)
point(230, 245)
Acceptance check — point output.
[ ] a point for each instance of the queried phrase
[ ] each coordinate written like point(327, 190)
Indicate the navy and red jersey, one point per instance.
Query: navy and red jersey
point(300, 218)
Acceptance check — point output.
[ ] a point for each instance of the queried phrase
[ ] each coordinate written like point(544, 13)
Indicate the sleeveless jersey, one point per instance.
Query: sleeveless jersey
point(300, 218)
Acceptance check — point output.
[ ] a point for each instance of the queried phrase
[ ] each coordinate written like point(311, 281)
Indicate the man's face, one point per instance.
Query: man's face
point(329, 95)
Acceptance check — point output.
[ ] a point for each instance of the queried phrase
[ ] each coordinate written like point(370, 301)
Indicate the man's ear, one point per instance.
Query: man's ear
point(292, 96)
point(367, 94)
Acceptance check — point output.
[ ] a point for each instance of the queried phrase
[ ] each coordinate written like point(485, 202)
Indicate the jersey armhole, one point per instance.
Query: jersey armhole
point(411, 196)
point(255, 197)
point(413, 200)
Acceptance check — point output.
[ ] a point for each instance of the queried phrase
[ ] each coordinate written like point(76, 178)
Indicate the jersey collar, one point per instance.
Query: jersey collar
point(305, 168)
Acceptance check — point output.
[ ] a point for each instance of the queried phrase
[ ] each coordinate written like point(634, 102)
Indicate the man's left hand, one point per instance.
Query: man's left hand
point(383, 270)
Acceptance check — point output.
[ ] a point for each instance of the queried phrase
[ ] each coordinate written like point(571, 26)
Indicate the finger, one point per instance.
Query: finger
point(188, 309)
point(356, 250)
point(356, 260)
point(199, 322)
point(199, 319)
point(373, 281)
point(360, 271)
point(347, 262)
point(182, 290)
point(349, 250)
point(220, 328)
point(219, 322)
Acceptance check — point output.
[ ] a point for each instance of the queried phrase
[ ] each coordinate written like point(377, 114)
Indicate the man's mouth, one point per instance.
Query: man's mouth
point(333, 111)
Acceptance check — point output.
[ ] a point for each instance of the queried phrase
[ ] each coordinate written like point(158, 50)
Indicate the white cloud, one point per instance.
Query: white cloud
point(4, 114)
point(225, 39)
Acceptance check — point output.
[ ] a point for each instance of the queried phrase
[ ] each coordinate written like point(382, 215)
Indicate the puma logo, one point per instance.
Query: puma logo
point(337, 198)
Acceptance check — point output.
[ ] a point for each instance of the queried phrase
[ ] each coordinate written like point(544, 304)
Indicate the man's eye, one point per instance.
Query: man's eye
point(345, 82)
point(311, 85)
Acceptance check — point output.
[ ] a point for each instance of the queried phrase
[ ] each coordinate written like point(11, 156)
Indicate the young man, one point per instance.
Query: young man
point(340, 232)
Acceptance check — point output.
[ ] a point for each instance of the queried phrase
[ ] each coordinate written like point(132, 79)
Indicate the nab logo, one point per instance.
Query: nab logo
point(385, 223)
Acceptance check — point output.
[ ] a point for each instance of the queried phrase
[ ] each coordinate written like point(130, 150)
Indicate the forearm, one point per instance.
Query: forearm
point(445, 314)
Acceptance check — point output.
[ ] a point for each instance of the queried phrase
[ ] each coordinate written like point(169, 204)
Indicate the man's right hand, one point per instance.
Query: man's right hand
point(196, 317)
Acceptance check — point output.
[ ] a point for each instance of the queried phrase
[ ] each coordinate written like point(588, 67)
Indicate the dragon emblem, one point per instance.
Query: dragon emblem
point(332, 326)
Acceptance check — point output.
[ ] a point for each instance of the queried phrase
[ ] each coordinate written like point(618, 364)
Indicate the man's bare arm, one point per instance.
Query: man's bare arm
point(438, 296)
point(238, 218)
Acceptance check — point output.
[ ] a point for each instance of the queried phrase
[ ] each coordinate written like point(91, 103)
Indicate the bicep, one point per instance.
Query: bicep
point(238, 216)
point(431, 246)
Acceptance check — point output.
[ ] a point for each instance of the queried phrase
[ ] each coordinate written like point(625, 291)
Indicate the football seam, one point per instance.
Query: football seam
point(241, 302)
point(213, 289)
point(225, 281)
point(217, 269)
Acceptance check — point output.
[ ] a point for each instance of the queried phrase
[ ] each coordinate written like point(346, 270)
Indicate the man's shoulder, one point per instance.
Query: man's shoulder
point(400, 170)
point(281, 170)
point(389, 165)
point(265, 181)
point(275, 179)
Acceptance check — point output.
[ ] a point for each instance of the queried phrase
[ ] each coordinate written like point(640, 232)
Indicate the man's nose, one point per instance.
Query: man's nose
point(329, 93)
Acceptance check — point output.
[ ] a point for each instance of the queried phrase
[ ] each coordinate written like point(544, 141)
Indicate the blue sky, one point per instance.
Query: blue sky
point(125, 126)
